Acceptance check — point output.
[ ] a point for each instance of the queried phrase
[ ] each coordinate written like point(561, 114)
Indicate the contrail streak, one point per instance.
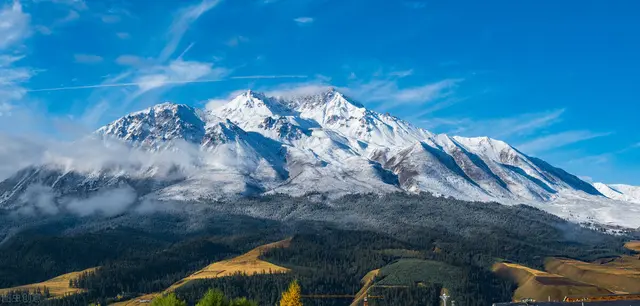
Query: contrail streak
point(171, 82)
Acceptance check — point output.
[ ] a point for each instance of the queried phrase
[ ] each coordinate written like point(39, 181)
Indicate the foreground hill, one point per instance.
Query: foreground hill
point(325, 143)
point(248, 264)
point(620, 275)
point(541, 286)
point(57, 287)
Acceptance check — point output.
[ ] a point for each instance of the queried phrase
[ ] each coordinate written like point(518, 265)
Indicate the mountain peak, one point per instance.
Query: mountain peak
point(329, 96)
point(159, 123)
point(163, 107)
point(249, 93)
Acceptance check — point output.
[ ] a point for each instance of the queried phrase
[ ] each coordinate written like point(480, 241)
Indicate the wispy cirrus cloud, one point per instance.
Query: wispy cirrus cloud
point(296, 89)
point(14, 25)
point(236, 40)
point(500, 128)
point(147, 75)
point(181, 23)
point(557, 140)
point(177, 72)
point(108, 18)
point(391, 95)
point(401, 73)
point(131, 60)
point(87, 58)
point(603, 158)
point(80, 5)
point(71, 16)
point(304, 20)
point(529, 131)
point(114, 15)
point(123, 35)
point(14, 29)
point(153, 82)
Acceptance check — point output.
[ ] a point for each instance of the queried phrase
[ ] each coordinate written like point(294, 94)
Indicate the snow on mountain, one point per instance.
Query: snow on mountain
point(325, 143)
point(619, 192)
point(156, 125)
point(333, 110)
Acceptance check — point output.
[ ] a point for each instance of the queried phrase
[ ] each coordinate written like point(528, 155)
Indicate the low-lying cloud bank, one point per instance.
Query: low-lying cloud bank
point(92, 157)
point(39, 200)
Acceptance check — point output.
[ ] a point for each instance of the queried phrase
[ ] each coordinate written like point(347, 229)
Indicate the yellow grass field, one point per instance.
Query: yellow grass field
point(620, 275)
point(248, 263)
point(58, 286)
point(541, 286)
point(366, 281)
point(633, 245)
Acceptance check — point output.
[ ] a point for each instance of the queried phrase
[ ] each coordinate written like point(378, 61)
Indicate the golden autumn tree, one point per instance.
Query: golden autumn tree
point(291, 297)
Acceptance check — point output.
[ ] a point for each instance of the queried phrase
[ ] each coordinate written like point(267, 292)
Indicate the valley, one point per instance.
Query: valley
point(415, 258)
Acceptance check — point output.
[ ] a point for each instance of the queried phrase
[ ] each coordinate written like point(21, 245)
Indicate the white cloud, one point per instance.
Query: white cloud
point(87, 58)
point(14, 29)
point(70, 17)
point(44, 30)
point(297, 89)
point(17, 153)
point(591, 160)
point(554, 141)
point(393, 96)
point(14, 25)
point(110, 18)
point(107, 202)
point(303, 20)
point(130, 60)
point(181, 24)
point(123, 35)
point(214, 104)
point(426, 92)
point(178, 71)
point(80, 5)
point(386, 91)
point(113, 83)
point(401, 73)
point(5, 109)
point(39, 198)
point(235, 41)
point(499, 128)
point(87, 156)
point(137, 83)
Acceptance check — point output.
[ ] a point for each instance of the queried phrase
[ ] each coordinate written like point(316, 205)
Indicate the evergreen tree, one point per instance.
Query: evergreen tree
point(168, 300)
point(291, 297)
point(243, 302)
point(213, 297)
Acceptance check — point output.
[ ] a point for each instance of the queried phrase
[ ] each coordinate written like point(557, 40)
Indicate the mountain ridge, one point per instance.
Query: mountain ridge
point(324, 143)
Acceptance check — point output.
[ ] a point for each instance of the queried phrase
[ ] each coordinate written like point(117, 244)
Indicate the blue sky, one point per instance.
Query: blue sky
point(557, 79)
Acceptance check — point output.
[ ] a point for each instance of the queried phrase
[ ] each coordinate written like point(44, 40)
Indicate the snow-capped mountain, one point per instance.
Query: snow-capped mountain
point(619, 192)
point(322, 143)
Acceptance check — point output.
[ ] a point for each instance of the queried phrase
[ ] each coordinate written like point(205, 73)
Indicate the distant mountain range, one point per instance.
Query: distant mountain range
point(324, 144)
